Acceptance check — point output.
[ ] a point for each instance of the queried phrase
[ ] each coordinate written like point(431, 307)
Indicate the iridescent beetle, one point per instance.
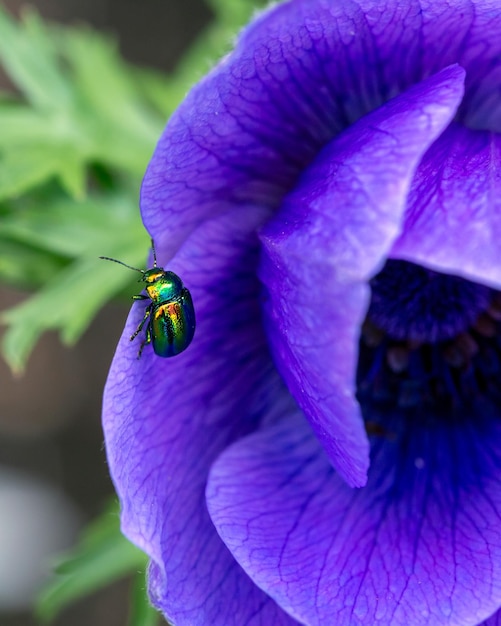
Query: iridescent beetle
point(170, 316)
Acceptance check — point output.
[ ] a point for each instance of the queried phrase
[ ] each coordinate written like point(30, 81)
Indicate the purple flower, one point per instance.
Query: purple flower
point(330, 194)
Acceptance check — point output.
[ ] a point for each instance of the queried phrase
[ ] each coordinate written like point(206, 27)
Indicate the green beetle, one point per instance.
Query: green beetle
point(170, 315)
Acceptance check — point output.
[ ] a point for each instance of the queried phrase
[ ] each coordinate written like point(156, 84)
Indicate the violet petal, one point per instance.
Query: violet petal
point(300, 74)
point(453, 220)
point(330, 236)
point(418, 545)
point(493, 620)
point(166, 420)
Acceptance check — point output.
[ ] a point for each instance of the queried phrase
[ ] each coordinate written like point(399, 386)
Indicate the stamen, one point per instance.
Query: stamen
point(372, 335)
point(453, 355)
point(436, 350)
point(467, 345)
point(410, 302)
point(485, 325)
point(398, 358)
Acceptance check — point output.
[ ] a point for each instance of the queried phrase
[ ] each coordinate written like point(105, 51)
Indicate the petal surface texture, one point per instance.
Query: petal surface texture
point(494, 620)
point(418, 545)
point(314, 87)
point(330, 236)
point(300, 74)
point(453, 220)
point(163, 436)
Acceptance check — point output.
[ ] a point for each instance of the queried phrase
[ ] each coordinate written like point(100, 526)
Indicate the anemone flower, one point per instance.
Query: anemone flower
point(328, 449)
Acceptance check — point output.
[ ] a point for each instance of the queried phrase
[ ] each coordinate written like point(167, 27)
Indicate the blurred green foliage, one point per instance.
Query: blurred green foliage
point(75, 139)
point(74, 144)
point(102, 556)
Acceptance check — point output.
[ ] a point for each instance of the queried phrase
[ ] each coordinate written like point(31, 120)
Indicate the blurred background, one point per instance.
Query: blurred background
point(86, 87)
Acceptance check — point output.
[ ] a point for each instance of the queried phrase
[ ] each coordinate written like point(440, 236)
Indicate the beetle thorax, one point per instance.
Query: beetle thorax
point(153, 275)
point(163, 286)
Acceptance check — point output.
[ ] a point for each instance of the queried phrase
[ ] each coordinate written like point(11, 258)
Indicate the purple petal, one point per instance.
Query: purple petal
point(166, 420)
point(330, 236)
point(494, 620)
point(453, 219)
point(419, 545)
point(300, 74)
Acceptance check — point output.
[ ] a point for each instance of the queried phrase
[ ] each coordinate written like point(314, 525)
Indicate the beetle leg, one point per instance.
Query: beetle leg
point(143, 322)
point(140, 296)
point(145, 342)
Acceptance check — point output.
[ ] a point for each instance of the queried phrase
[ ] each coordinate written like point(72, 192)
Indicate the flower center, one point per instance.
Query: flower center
point(410, 302)
point(430, 341)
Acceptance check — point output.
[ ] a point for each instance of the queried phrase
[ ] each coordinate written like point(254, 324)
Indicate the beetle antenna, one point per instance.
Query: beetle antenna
point(154, 253)
point(107, 258)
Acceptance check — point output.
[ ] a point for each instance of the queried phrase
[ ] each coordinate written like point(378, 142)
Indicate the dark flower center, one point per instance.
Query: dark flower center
point(430, 342)
point(410, 302)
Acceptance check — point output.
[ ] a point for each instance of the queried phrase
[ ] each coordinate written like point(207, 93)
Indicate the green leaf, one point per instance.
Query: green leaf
point(141, 612)
point(234, 13)
point(15, 258)
point(75, 228)
point(24, 167)
point(102, 556)
point(71, 158)
point(67, 303)
point(84, 108)
point(22, 125)
point(72, 173)
point(120, 128)
point(27, 53)
point(69, 300)
point(103, 82)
